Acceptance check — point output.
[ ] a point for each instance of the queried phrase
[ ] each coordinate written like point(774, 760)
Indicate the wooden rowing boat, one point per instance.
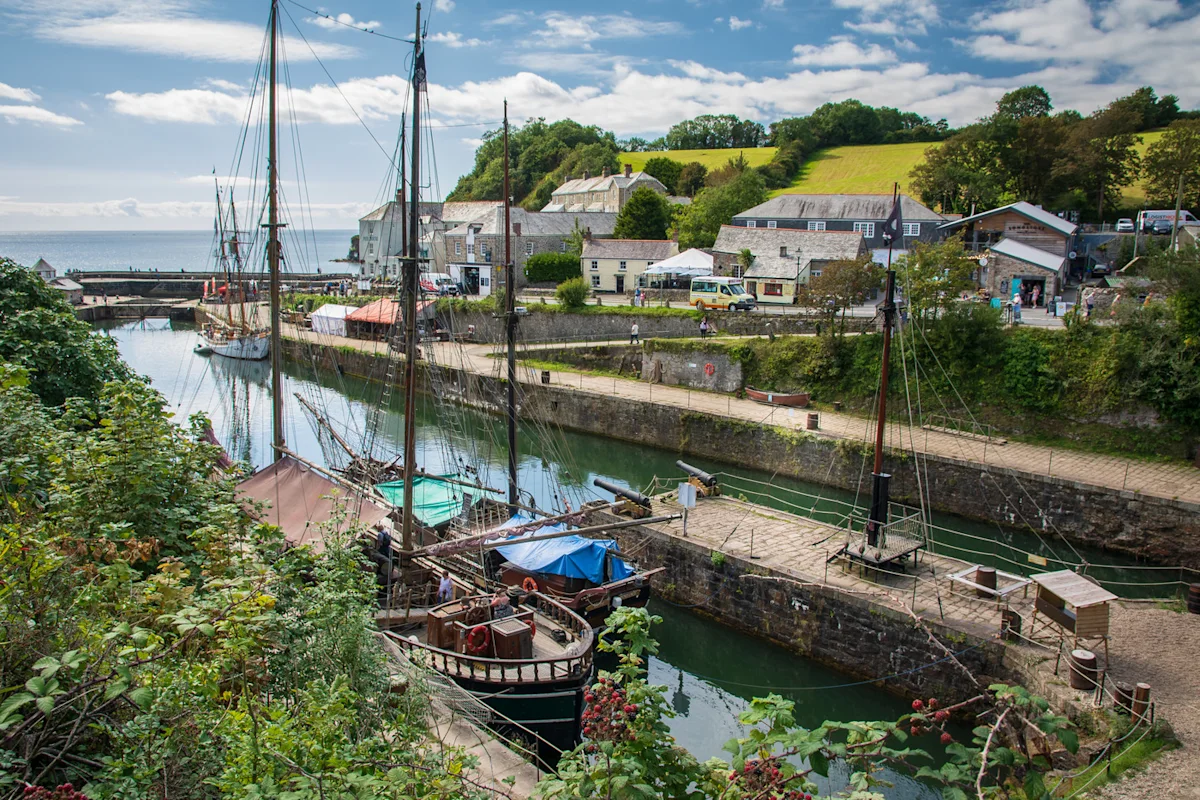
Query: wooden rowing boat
point(798, 400)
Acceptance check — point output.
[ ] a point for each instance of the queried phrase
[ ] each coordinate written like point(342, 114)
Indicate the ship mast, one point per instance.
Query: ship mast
point(510, 331)
point(878, 517)
point(410, 284)
point(273, 227)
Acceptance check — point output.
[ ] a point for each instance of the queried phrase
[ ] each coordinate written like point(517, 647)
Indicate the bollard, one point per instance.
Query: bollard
point(1141, 702)
point(1124, 698)
point(812, 422)
point(1083, 670)
point(1010, 625)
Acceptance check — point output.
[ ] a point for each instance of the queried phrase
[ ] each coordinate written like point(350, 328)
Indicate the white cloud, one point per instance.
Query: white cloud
point(160, 27)
point(891, 17)
point(14, 114)
point(767, 4)
point(694, 69)
point(511, 18)
point(445, 6)
point(883, 27)
point(567, 30)
point(736, 24)
point(452, 39)
point(172, 209)
point(843, 53)
point(331, 22)
point(221, 83)
point(15, 93)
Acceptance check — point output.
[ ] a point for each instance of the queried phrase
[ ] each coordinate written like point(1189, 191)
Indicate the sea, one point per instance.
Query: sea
point(166, 251)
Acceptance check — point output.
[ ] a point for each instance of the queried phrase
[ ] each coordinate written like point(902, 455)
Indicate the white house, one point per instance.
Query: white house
point(613, 265)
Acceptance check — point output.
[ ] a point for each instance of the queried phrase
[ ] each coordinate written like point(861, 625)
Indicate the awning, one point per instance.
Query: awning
point(569, 556)
point(693, 262)
point(435, 502)
point(301, 500)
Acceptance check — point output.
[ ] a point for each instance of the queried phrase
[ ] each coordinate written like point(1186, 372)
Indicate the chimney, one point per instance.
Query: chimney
point(604, 173)
point(586, 174)
point(587, 234)
point(629, 170)
point(516, 229)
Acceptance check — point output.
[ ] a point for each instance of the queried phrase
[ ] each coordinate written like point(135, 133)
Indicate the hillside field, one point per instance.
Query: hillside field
point(756, 156)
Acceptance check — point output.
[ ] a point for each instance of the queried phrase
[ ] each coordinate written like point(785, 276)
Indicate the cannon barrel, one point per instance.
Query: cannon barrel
point(628, 494)
point(698, 474)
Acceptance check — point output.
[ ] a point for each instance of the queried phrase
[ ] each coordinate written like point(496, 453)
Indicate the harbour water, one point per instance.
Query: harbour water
point(711, 671)
point(166, 251)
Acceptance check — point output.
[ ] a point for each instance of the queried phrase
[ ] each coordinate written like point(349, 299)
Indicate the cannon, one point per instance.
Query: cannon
point(706, 484)
point(634, 505)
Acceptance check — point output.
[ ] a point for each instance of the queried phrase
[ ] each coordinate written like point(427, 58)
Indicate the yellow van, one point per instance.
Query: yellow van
point(714, 292)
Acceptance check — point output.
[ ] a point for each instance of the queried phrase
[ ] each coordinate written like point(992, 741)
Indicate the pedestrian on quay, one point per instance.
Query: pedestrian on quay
point(633, 334)
point(703, 326)
point(1089, 300)
point(1017, 308)
point(1034, 297)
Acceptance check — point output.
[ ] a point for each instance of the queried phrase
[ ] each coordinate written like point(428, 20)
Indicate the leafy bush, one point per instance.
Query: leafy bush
point(573, 293)
point(551, 267)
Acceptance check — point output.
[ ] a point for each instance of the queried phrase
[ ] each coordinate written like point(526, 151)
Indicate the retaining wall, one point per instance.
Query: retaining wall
point(1159, 530)
point(714, 372)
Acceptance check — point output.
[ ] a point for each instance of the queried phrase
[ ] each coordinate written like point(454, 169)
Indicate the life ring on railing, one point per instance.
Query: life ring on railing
point(709, 369)
point(529, 585)
point(532, 627)
point(478, 640)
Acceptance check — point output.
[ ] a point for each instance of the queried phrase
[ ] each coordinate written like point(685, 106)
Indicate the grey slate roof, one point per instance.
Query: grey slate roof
point(1029, 254)
point(802, 246)
point(1027, 210)
point(630, 249)
point(428, 209)
point(534, 223)
point(460, 211)
point(604, 182)
point(858, 207)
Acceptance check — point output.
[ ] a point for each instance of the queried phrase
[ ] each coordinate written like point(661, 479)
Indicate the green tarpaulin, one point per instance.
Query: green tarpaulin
point(435, 502)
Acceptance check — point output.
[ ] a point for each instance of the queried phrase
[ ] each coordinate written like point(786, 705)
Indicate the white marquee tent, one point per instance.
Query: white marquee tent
point(331, 319)
point(689, 262)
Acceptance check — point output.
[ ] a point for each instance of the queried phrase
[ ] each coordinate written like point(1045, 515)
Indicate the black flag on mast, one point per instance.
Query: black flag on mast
point(893, 228)
point(419, 72)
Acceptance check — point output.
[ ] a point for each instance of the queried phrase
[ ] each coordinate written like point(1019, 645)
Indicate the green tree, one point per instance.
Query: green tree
point(575, 239)
point(665, 169)
point(1100, 155)
point(1148, 108)
point(933, 276)
point(793, 129)
point(1174, 157)
point(645, 215)
point(573, 293)
point(1028, 101)
point(960, 174)
point(1030, 159)
point(715, 131)
point(691, 179)
point(39, 331)
point(841, 285)
point(551, 267)
point(847, 122)
point(715, 206)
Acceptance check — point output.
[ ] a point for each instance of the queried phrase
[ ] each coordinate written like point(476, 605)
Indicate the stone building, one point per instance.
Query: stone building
point(381, 235)
point(1012, 267)
point(784, 258)
point(606, 193)
point(614, 265)
point(858, 213)
point(480, 243)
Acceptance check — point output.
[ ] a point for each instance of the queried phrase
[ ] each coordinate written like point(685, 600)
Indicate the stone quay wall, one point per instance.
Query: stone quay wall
point(1158, 530)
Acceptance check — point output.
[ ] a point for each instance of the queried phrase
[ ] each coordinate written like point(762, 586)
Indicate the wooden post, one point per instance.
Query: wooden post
point(1141, 702)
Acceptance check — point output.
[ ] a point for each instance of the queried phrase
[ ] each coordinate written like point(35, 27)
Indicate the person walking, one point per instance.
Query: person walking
point(633, 334)
point(1034, 297)
point(703, 326)
point(1017, 308)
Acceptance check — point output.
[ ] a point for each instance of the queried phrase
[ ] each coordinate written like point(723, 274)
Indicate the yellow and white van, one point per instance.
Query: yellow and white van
point(726, 293)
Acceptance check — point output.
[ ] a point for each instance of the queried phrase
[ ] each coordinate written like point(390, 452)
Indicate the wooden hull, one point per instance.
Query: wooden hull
point(799, 400)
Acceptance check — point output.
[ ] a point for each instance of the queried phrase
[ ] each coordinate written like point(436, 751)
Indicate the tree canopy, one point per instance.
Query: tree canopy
point(715, 206)
point(713, 131)
point(1176, 155)
point(645, 215)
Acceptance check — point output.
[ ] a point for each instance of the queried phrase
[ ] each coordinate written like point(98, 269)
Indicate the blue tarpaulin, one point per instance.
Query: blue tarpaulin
point(569, 556)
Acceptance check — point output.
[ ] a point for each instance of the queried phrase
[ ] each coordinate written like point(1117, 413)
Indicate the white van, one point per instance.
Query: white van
point(1147, 218)
point(726, 293)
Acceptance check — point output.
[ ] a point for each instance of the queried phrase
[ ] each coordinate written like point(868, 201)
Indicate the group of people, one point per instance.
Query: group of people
point(500, 604)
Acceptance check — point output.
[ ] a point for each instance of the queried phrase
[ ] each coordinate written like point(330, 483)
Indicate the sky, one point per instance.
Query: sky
point(116, 114)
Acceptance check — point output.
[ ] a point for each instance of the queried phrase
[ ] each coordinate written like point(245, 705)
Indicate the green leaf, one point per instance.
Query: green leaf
point(953, 793)
point(819, 764)
point(46, 662)
point(45, 704)
point(9, 707)
point(143, 696)
point(1035, 789)
point(206, 629)
point(36, 686)
point(115, 687)
point(1069, 740)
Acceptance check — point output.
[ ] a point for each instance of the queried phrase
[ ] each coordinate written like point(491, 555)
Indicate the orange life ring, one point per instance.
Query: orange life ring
point(532, 627)
point(478, 639)
point(529, 585)
point(709, 369)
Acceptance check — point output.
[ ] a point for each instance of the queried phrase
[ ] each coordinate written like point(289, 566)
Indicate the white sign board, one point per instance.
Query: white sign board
point(687, 495)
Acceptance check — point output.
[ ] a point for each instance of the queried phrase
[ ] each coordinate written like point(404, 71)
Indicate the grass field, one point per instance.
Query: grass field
point(862, 169)
point(1135, 194)
point(756, 156)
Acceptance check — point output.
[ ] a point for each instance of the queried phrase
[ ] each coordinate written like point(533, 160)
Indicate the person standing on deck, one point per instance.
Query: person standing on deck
point(445, 592)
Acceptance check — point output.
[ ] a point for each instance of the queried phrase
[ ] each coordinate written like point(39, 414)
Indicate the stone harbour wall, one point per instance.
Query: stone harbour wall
point(714, 372)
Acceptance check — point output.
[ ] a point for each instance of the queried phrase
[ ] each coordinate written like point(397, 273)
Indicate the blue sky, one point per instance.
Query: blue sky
point(113, 113)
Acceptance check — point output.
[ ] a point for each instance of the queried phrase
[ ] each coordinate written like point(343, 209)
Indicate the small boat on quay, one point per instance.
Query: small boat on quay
point(793, 400)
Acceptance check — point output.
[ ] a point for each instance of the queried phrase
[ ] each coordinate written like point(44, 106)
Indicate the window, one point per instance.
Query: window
point(816, 273)
point(783, 251)
point(751, 223)
point(622, 267)
point(458, 248)
point(595, 281)
point(725, 290)
point(912, 229)
point(775, 289)
point(563, 247)
point(867, 229)
point(470, 248)
point(483, 248)
point(771, 224)
point(529, 248)
point(737, 270)
point(595, 265)
point(816, 226)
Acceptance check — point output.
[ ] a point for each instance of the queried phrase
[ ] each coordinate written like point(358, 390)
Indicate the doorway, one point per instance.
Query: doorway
point(620, 284)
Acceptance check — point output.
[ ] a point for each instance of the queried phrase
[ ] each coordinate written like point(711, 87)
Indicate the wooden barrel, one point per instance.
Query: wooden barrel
point(1193, 598)
point(1124, 699)
point(1083, 670)
point(812, 422)
point(985, 576)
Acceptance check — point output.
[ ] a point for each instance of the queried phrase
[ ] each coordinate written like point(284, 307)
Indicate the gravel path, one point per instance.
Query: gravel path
point(1161, 648)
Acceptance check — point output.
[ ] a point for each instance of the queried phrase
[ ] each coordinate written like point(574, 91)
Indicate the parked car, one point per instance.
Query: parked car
point(1125, 225)
point(1161, 226)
